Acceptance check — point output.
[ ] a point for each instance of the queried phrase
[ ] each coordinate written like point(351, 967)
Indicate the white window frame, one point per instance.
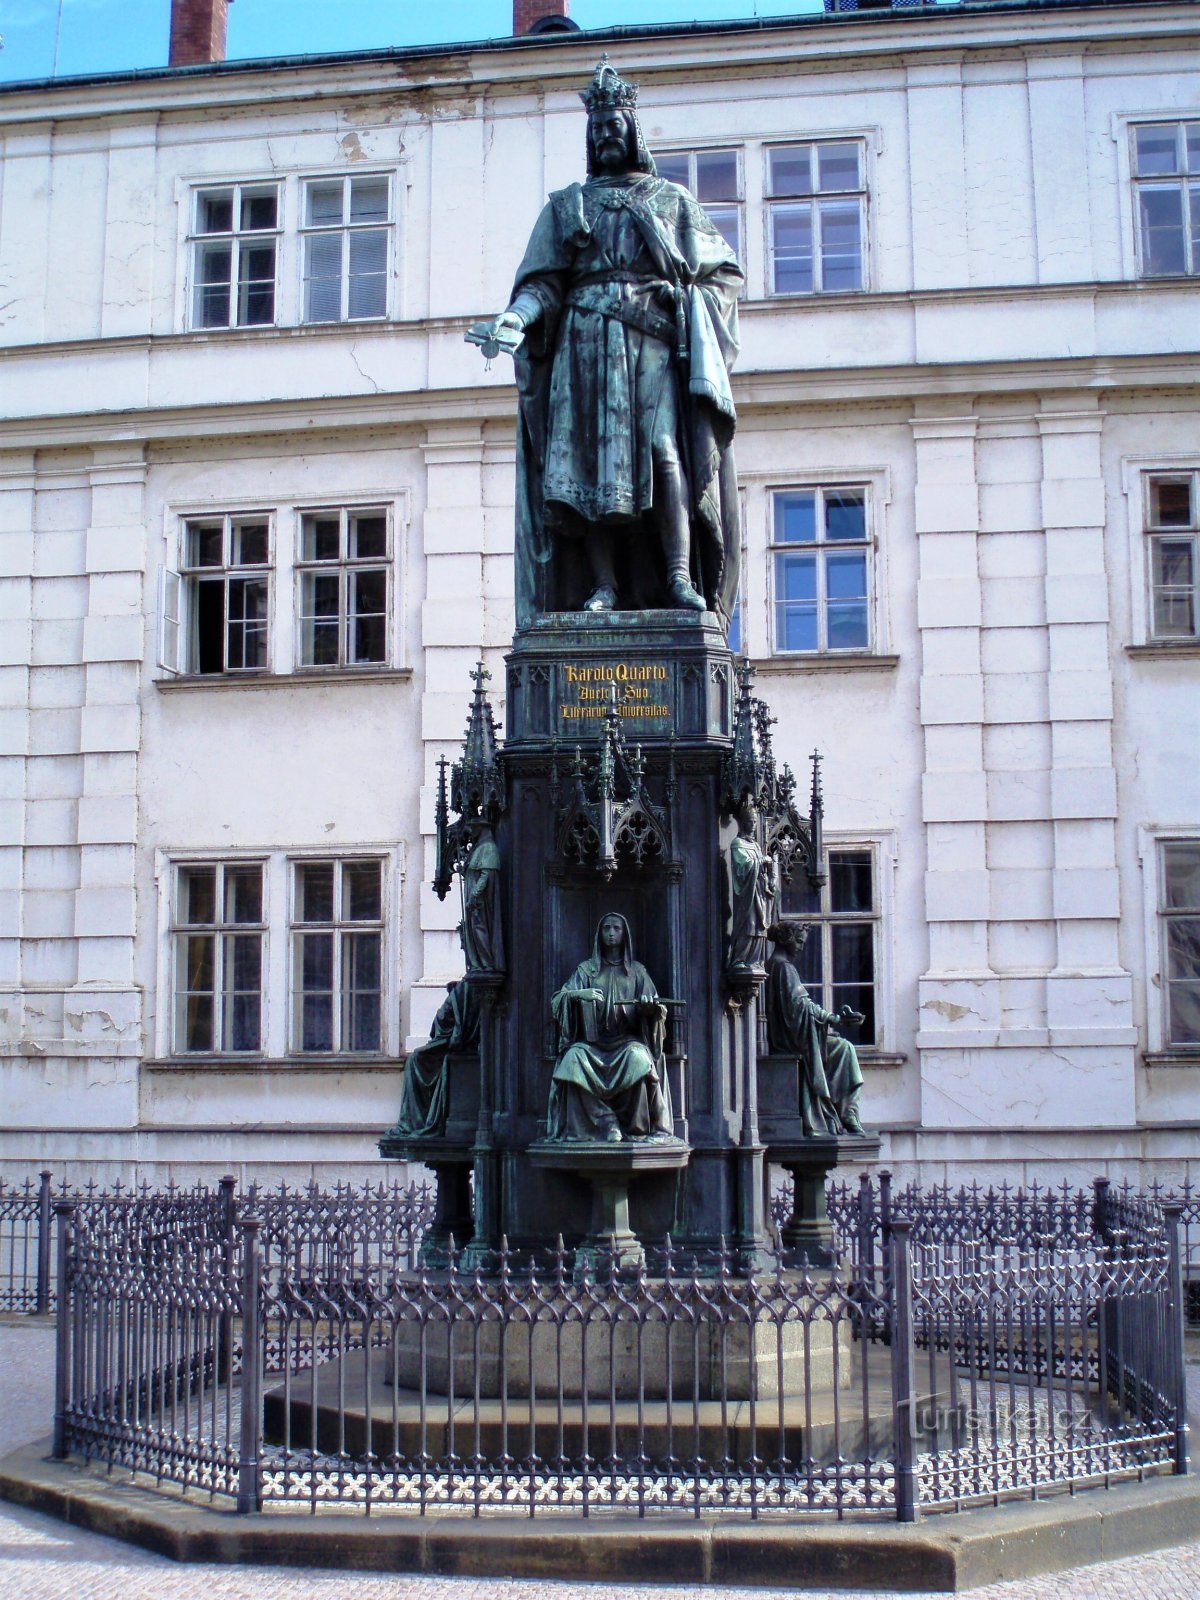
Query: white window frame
point(345, 566)
point(1151, 535)
point(862, 193)
point(1136, 472)
point(277, 889)
point(870, 544)
point(220, 930)
point(339, 926)
point(238, 188)
point(284, 515)
point(191, 575)
point(289, 235)
point(1181, 179)
point(346, 228)
point(1150, 842)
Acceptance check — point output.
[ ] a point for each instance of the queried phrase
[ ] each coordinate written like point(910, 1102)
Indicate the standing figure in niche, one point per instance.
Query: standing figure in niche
point(831, 1078)
point(610, 1078)
point(482, 936)
point(752, 889)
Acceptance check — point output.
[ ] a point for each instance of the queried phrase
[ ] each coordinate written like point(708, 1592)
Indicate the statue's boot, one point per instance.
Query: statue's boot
point(602, 599)
point(683, 595)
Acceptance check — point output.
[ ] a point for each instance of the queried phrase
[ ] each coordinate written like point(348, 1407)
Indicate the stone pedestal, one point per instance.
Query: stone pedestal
point(611, 1245)
point(808, 1233)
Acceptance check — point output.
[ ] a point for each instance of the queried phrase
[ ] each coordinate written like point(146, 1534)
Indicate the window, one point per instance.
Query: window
point(217, 932)
point(1173, 531)
point(1180, 919)
point(821, 569)
point(235, 236)
point(838, 964)
point(345, 248)
point(1166, 179)
point(337, 956)
point(227, 577)
point(714, 177)
point(816, 216)
point(344, 581)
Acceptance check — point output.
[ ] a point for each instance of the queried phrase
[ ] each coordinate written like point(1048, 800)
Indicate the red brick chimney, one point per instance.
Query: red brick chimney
point(198, 31)
point(527, 14)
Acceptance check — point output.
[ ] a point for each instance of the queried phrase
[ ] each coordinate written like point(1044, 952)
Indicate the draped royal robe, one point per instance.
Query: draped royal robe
point(423, 1096)
point(600, 396)
point(610, 1065)
point(830, 1075)
point(751, 902)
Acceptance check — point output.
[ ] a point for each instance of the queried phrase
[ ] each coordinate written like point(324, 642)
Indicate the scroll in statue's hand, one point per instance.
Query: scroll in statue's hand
point(505, 332)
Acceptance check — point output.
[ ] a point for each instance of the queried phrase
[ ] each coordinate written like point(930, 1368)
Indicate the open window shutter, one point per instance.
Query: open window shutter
point(170, 631)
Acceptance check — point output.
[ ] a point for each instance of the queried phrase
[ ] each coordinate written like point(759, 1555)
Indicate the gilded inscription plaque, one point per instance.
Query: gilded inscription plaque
point(638, 690)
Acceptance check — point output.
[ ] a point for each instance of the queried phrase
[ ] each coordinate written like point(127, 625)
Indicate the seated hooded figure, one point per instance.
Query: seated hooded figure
point(423, 1095)
point(830, 1075)
point(609, 1080)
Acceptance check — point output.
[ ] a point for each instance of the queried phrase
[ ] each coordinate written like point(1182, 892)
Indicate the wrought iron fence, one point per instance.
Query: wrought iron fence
point(287, 1348)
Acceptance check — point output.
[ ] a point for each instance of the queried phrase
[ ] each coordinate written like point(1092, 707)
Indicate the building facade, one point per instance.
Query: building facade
point(256, 528)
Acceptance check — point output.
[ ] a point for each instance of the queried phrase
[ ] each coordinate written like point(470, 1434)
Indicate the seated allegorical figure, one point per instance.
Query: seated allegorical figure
point(610, 1079)
point(830, 1075)
point(423, 1096)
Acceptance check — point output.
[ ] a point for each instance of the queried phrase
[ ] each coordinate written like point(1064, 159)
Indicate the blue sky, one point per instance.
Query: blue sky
point(112, 35)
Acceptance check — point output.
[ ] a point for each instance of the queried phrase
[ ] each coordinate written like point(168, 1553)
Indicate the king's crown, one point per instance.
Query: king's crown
point(608, 89)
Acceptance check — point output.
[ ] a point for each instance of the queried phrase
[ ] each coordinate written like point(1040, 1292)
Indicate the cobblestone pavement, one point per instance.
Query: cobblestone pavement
point(42, 1559)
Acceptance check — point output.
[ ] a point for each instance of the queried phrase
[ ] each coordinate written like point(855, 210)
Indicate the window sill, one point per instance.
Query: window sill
point(1188, 649)
point(279, 680)
point(883, 1059)
point(1187, 1056)
point(257, 1064)
point(851, 661)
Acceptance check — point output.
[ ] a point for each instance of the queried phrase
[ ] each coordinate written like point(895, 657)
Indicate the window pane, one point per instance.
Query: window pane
point(846, 575)
point(1184, 1012)
point(1174, 588)
point(795, 627)
point(798, 898)
point(197, 894)
point(1156, 149)
point(368, 200)
point(368, 535)
point(247, 624)
point(258, 210)
point(200, 958)
point(841, 244)
point(1183, 947)
point(789, 170)
point(360, 981)
point(366, 294)
point(795, 517)
point(1191, 134)
point(214, 264)
point(368, 252)
point(243, 894)
point(674, 167)
point(1181, 875)
point(792, 249)
point(320, 591)
point(837, 167)
point(853, 953)
point(850, 880)
point(368, 605)
point(319, 642)
point(810, 965)
point(314, 891)
point(316, 1022)
point(1194, 194)
point(716, 175)
point(205, 544)
point(324, 204)
point(256, 284)
point(214, 211)
point(249, 544)
point(1171, 502)
point(1162, 230)
point(243, 1022)
point(796, 577)
point(243, 963)
point(364, 1023)
point(846, 626)
point(845, 514)
point(361, 888)
point(735, 627)
point(316, 961)
point(322, 540)
point(323, 277)
point(197, 1022)
point(208, 626)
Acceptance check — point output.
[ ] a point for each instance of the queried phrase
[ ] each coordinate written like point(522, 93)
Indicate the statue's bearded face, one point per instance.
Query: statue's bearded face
point(610, 134)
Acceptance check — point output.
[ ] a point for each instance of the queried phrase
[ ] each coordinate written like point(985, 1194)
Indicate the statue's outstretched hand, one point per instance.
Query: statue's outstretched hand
point(848, 1015)
point(588, 994)
point(652, 1009)
point(505, 332)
